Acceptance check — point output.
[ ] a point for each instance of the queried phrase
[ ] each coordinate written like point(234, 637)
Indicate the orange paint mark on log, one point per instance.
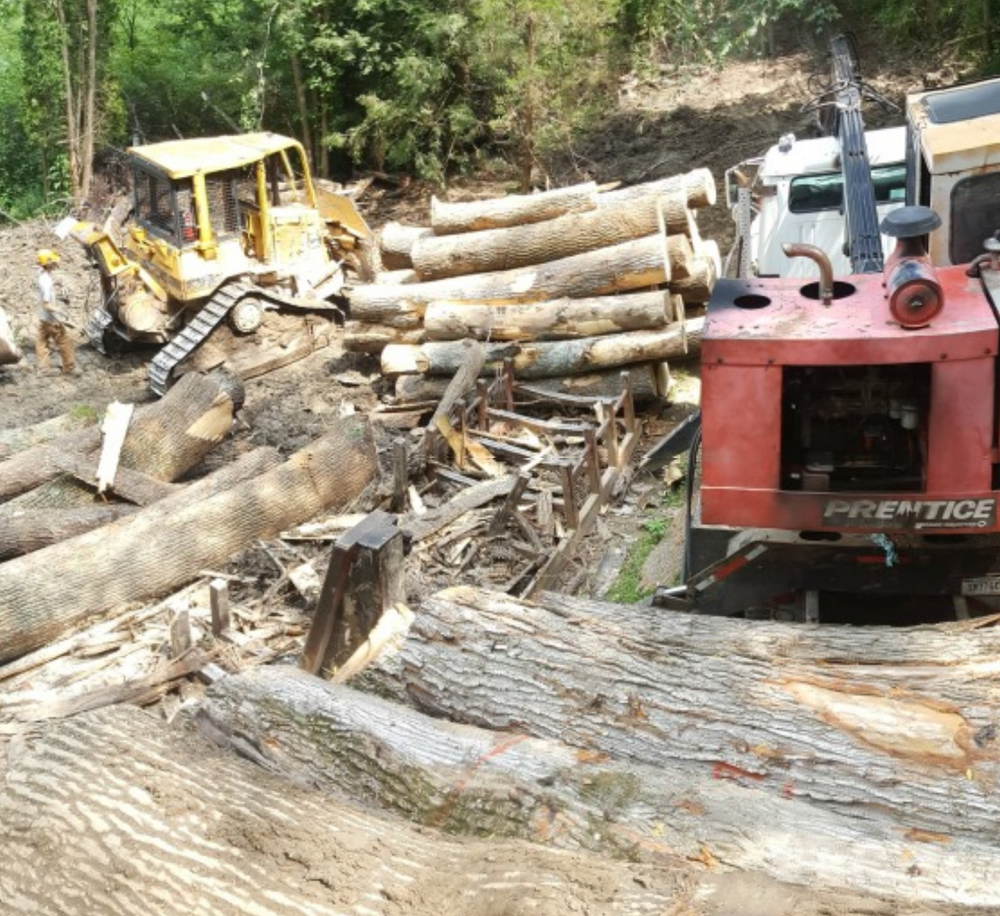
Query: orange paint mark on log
point(584, 756)
point(925, 836)
point(728, 771)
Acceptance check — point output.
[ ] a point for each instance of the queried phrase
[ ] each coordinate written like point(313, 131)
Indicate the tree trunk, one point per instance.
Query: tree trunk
point(866, 724)
point(650, 382)
point(629, 266)
point(561, 319)
point(698, 186)
point(161, 547)
point(165, 439)
point(17, 440)
point(436, 257)
point(364, 337)
point(514, 210)
point(113, 813)
point(25, 531)
point(553, 359)
point(696, 289)
point(382, 754)
point(396, 241)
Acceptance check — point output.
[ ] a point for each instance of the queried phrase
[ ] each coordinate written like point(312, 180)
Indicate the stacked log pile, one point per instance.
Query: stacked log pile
point(563, 283)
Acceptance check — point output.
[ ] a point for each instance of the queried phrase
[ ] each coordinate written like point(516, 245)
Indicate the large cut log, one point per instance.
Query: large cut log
point(650, 382)
point(560, 319)
point(879, 725)
point(696, 288)
point(165, 439)
point(620, 268)
point(514, 210)
point(395, 243)
point(111, 813)
point(25, 531)
point(365, 337)
point(553, 359)
point(698, 185)
point(160, 548)
point(387, 756)
point(435, 257)
point(17, 440)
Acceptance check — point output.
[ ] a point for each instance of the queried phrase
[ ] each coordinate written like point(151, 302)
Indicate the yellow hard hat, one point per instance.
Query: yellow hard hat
point(47, 256)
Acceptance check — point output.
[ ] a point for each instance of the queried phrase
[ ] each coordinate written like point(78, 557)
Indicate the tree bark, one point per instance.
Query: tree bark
point(650, 382)
point(382, 754)
point(21, 438)
point(866, 724)
point(162, 547)
point(25, 531)
point(553, 359)
point(448, 218)
point(165, 439)
point(396, 241)
point(112, 812)
point(365, 337)
point(435, 257)
point(560, 319)
point(696, 288)
point(698, 185)
point(626, 267)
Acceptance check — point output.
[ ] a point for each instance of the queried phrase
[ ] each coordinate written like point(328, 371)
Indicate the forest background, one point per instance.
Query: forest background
point(428, 88)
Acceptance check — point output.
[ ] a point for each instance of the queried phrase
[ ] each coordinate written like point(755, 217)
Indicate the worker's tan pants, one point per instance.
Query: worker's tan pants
point(54, 332)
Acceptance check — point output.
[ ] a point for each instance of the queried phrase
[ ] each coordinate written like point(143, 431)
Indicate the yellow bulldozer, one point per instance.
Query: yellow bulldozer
point(223, 229)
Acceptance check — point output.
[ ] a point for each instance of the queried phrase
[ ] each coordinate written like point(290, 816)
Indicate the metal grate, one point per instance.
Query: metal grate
point(230, 193)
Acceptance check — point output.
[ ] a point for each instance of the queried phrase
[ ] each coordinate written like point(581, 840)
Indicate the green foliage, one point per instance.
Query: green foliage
point(629, 587)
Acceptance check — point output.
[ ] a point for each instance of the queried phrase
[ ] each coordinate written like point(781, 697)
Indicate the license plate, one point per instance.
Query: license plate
point(987, 585)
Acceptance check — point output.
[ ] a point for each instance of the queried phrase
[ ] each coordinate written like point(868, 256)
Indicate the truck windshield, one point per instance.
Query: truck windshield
point(975, 205)
point(811, 193)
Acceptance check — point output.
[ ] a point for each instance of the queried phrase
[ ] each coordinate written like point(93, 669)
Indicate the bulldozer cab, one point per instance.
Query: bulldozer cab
point(953, 165)
point(210, 209)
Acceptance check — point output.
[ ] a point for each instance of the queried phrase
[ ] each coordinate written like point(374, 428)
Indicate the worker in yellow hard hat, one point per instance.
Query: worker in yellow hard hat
point(51, 318)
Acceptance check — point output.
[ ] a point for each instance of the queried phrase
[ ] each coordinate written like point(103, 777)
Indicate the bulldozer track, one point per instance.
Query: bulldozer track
point(194, 334)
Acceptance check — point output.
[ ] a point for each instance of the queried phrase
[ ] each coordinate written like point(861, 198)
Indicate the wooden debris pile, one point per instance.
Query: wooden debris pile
point(563, 283)
point(73, 552)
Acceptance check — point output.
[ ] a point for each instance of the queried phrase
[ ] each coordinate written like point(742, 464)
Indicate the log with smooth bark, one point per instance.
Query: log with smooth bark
point(162, 546)
point(435, 257)
point(698, 185)
point(449, 217)
point(114, 813)
point(165, 439)
point(365, 337)
point(27, 530)
point(650, 382)
point(880, 725)
point(388, 756)
point(620, 268)
point(553, 359)
point(20, 438)
point(395, 243)
point(559, 319)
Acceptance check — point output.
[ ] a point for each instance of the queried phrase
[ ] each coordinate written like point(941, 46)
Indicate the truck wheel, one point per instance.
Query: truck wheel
point(246, 316)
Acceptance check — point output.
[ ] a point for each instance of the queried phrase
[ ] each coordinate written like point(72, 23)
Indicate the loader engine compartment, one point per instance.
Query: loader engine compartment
point(854, 428)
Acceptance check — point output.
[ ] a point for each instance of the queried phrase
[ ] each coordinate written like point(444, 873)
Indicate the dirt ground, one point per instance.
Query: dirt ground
point(677, 121)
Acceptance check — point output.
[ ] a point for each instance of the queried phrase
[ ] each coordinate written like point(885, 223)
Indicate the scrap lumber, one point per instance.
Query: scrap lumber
point(513, 210)
point(698, 185)
point(114, 428)
point(649, 381)
point(559, 319)
point(435, 257)
point(553, 359)
point(625, 267)
point(209, 833)
point(882, 726)
point(166, 438)
point(384, 755)
point(161, 547)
